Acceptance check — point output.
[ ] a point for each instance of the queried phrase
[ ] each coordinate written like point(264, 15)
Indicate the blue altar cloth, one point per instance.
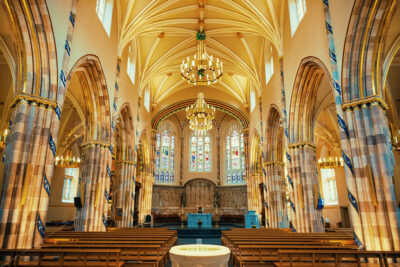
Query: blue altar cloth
point(251, 219)
point(193, 218)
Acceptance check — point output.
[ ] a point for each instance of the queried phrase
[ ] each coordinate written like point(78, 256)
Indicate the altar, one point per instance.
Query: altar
point(251, 219)
point(194, 218)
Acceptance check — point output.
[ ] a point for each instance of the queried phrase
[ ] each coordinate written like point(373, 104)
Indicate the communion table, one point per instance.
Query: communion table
point(250, 219)
point(194, 218)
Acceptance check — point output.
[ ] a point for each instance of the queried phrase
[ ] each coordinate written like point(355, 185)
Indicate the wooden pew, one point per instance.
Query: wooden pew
point(136, 245)
point(268, 254)
point(260, 246)
point(60, 257)
point(335, 257)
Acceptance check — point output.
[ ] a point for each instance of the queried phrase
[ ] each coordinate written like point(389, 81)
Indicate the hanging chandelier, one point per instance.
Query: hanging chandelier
point(330, 162)
point(201, 68)
point(200, 115)
point(67, 160)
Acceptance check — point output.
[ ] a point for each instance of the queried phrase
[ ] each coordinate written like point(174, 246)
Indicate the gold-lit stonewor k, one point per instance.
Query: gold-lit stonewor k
point(201, 68)
point(200, 115)
point(67, 160)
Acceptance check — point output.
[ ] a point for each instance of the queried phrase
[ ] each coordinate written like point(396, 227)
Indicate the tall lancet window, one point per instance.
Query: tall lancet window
point(104, 12)
point(234, 156)
point(165, 155)
point(200, 152)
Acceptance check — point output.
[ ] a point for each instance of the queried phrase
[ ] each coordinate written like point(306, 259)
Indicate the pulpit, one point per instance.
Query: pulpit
point(195, 218)
point(251, 218)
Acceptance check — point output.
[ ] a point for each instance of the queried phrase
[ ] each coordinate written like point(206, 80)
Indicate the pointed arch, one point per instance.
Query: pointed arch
point(274, 134)
point(97, 103)
point(305, 88)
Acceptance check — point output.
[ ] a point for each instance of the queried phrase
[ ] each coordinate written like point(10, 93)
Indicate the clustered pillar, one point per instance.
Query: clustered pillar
point(94, 187)
point(124, 193)
point(276, 210)
point(305, 187)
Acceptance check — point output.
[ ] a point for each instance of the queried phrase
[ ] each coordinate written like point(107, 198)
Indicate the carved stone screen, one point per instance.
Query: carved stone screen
point(175, 200)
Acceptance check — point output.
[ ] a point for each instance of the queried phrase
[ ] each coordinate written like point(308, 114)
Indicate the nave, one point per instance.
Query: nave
point(235, 132)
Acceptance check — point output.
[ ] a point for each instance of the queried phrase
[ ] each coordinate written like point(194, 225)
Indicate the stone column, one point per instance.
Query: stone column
point(181, 161)
point(218, 158)
point(30, 146)
point(275, 183)
point(247, 167)
point(306, 187)
point(363, 125)
point(147, 193)
point(94, 187)
point(124, 192)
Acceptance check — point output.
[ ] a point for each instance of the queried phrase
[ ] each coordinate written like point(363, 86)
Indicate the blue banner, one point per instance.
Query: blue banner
point(290, 181)
point(347, 161)
point(72, 19)
point(104, 221)
point(357, 241)
point(352, 200)
point(109, 171)
point(58, 112)
point(46, 185)
point(67, 47)
point(292, 205)
point(52, 145)
point(320, 204)
point(288, 157)
point(62, 78)
point(343, 125)
point(40, 226)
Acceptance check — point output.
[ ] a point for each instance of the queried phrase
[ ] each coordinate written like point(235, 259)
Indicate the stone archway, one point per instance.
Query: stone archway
point(95, 169)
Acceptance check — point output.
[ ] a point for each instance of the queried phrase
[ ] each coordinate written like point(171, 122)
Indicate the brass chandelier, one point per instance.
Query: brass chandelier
point(200, 115)
point(330, 162)
point(201, 68)
point(67, 160)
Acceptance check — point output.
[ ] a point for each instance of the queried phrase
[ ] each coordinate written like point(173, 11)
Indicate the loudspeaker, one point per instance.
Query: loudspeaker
point(77, 202)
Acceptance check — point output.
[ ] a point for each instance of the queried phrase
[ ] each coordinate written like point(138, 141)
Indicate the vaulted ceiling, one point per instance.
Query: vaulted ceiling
point(163, 33)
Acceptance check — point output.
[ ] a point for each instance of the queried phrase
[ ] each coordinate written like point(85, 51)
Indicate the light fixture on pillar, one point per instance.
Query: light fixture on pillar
point(3, 137)
point(200, 115)
point(201, 68)
point(330, 162)
point(396, 140)
point(67, 160)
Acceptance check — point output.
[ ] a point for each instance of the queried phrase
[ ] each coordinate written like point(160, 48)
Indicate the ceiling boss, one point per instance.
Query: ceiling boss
point(201, 68)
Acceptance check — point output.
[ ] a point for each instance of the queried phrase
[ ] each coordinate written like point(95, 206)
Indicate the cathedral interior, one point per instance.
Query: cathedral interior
point(115, 113)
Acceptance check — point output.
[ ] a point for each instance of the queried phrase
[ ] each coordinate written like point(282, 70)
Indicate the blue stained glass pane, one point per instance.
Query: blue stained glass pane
point(162, 177)
point(156, 178)
point(166, 177)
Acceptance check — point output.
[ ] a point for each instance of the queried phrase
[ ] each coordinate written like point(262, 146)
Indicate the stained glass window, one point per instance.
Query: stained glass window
point(200, 152)
point(234, 156)
point(165, 155)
